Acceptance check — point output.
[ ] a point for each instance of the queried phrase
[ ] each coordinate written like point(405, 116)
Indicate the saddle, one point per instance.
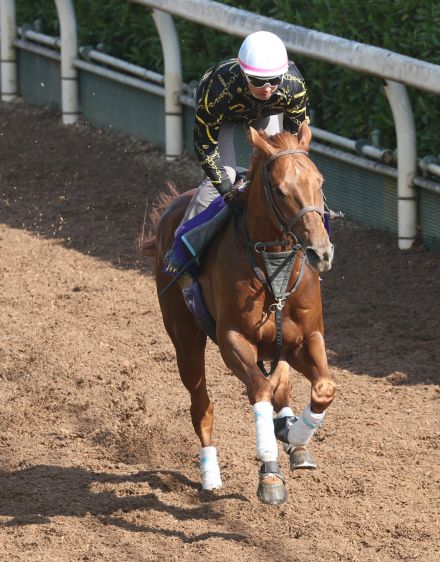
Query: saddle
point(191, 240)
point(193, 236)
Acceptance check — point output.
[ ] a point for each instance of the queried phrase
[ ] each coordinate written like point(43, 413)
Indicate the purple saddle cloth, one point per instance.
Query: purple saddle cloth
point(195, 302)
point(193, 236)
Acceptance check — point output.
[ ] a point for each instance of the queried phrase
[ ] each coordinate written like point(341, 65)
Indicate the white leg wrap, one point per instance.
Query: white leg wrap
point(285, 412)
point(209, 468)
point(304, 427)
point(267, 449)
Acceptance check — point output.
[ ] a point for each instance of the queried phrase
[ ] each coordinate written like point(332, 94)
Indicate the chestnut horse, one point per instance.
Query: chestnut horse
point(283, 211)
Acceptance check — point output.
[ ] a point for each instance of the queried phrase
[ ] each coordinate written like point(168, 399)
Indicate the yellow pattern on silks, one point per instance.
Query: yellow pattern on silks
point(223, 94)
point(295, 111)
point(211, 160)
point(206, 103)
point(208, 134)
point(225, 91)
point(237, 107)
point(300, 95)
point(292, 78)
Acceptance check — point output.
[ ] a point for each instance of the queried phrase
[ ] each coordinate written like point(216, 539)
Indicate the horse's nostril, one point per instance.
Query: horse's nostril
point(319, 261)
point(312, 256)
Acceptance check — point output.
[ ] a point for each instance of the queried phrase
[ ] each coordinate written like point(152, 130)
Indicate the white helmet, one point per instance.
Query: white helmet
point(263, 54)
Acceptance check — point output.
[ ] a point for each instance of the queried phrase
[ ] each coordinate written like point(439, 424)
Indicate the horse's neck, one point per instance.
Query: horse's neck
point(260, 228)
point(259, 225)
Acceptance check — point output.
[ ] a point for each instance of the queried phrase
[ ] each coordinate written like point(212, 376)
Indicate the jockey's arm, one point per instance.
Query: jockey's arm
point(209, 157)
point(297, 109)
point(208, 120)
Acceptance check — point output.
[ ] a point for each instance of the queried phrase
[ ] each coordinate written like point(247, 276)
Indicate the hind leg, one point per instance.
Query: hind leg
point(192, 373)
point(189, 342)
point(191, 363)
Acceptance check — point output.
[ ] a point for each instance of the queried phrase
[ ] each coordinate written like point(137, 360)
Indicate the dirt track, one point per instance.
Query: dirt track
point(98, 460)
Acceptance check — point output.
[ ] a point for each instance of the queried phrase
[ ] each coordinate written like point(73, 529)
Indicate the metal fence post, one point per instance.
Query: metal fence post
point(8, 60)
point(173, 83)
point(69, 52)
point(406, 162)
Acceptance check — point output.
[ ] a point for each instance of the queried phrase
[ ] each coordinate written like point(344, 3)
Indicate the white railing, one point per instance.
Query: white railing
point(397, 71)
point(314, 44)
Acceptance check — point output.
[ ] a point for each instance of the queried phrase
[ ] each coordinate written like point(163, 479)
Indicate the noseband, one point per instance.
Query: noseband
point(281, 222)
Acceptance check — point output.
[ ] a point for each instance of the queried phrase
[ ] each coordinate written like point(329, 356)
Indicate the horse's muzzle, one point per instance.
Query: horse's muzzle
point(320, 257)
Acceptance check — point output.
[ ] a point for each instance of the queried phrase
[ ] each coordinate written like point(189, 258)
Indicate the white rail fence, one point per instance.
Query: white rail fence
point(396, 70)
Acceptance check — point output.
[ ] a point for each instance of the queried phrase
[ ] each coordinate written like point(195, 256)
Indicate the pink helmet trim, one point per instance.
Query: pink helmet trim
point(276, 71)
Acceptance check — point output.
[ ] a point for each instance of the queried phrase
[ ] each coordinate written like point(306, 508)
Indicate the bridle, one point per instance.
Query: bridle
point(278, 265)
point(283, 224)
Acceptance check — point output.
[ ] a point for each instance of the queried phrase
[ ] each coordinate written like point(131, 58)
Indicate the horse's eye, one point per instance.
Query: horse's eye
point(278, 192)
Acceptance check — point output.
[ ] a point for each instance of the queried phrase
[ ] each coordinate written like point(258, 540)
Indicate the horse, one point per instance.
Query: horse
point(283, 211)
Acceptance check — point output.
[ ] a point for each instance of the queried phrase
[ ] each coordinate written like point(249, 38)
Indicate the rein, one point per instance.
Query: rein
point(278, 265)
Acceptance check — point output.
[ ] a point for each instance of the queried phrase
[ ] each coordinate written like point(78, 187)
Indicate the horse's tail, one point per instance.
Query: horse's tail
point(147, 240)
point(147, 246)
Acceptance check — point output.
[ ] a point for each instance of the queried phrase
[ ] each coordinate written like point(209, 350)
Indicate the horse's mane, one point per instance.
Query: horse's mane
point(280, 141)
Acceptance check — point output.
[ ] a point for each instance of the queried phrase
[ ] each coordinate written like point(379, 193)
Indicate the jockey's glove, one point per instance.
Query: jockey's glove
point(224, 187)
point(233, 200)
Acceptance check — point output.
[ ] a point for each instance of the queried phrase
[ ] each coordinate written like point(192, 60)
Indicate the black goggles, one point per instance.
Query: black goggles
point(259, 81)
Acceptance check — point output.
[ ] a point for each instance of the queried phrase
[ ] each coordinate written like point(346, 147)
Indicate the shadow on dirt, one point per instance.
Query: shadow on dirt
point(88, 190)
point(81, 186)
point(33, 495)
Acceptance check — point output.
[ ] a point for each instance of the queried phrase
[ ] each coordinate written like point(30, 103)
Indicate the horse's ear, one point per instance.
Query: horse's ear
point(304, 135)
point(258, 139)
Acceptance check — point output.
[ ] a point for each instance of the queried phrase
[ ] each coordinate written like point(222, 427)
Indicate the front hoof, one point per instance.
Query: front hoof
point(271, 489)
point(272, 493)
point(301, 458)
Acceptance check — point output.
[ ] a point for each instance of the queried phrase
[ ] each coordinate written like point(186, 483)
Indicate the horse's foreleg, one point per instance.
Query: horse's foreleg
point(281, 388)
point(241, 357)
point(271, 488)
point(192, 372)
point(311, 360)
point(281, 385)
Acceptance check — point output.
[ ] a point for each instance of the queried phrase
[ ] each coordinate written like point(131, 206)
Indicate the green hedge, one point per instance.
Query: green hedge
point(344, 102)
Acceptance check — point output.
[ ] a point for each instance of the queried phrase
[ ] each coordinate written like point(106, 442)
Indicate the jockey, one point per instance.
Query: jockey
point(258, 89)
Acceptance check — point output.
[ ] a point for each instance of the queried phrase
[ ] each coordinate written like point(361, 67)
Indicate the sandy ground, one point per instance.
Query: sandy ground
point(98, 460)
